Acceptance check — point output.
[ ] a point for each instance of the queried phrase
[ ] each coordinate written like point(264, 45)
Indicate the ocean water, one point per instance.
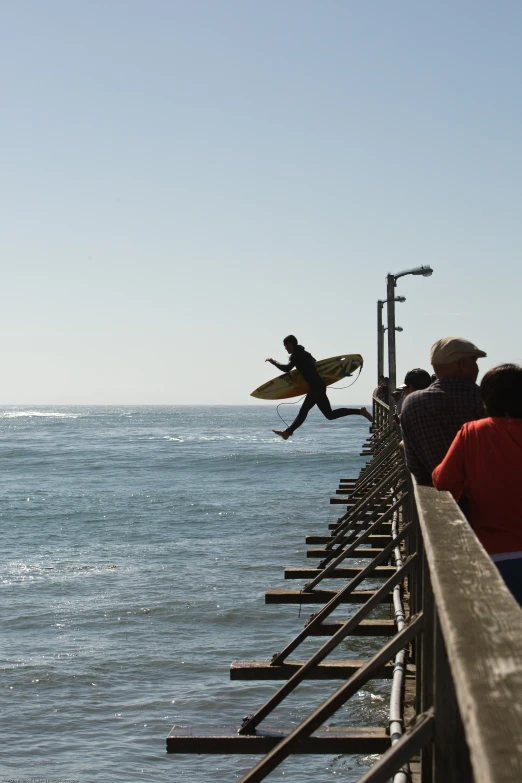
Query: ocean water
point(137, 545)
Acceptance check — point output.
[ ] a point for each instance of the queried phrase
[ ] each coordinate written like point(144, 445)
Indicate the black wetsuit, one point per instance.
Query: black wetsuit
point(305, 363)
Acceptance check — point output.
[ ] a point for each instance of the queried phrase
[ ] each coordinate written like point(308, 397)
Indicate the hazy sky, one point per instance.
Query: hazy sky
point(184, 183)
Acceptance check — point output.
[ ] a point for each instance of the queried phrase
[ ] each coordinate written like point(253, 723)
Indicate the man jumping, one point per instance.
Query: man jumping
point(305, 363)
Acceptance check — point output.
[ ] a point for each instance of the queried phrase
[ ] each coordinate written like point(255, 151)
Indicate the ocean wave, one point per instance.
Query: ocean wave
point(32, 572)
point(21, 414)
point(241, 438)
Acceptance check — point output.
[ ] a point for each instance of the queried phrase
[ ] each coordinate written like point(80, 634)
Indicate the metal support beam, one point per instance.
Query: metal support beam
point(390, 296)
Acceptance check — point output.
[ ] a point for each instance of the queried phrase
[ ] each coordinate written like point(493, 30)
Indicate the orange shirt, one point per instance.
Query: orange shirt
point(486, 459)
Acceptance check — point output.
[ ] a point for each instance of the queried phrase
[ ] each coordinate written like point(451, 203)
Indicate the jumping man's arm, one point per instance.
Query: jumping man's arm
point(282, 367)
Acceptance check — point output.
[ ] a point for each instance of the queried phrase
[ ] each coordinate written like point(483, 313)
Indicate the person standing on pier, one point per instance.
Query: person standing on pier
point(432, 417)
point(382, 392)
point(304, 362)
point(485, 461)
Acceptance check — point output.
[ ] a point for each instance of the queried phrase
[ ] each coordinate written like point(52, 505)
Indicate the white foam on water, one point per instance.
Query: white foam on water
point(32, 414)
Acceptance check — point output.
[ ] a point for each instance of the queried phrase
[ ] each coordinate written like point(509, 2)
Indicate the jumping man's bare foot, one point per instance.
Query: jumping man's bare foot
point(366, 414)
point(282, 434)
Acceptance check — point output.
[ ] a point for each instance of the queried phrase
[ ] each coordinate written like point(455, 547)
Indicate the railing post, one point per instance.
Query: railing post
point(427, 674)
point(381, 413)
point(451, 763)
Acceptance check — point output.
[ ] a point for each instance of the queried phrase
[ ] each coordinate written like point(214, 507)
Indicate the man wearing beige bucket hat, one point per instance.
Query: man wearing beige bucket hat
point(432, 417)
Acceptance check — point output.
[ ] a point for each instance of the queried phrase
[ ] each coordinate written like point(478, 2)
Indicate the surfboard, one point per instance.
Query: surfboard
point(292, 384)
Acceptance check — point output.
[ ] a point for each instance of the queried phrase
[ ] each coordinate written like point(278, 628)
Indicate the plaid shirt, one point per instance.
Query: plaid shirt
point(431, 418)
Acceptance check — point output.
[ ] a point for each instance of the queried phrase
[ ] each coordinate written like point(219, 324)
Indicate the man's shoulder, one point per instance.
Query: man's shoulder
point(417, 400)
point(441, 397)
point(302, 353)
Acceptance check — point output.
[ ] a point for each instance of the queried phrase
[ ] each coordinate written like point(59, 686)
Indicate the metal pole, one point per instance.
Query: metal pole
point(390, 288)
point(380, 341)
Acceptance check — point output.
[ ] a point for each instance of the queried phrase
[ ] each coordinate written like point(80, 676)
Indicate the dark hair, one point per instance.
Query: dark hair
point(419, 379)
point(501, 390)
point(290, 339)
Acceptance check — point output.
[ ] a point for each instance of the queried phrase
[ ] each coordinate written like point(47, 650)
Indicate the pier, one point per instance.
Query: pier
point(451, 644)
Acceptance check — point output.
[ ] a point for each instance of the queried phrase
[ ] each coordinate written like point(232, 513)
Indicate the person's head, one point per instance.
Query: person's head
point(501, 390)
point(290, 343)
point(416, 380)
point(381, 379)
point(455, 357)
point(385, 381)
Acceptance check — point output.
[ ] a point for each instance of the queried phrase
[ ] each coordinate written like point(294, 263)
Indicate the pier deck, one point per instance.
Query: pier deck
point(451, 649)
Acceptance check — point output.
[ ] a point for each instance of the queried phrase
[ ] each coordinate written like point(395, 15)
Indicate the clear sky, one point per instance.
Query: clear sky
point(185, 182)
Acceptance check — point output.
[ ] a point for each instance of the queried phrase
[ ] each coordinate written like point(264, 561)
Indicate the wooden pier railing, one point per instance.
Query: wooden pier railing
point(381, 415)
point(453, 652)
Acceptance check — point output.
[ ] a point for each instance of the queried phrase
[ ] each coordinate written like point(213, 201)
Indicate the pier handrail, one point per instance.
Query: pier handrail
point(481, 628)
point(381, 414)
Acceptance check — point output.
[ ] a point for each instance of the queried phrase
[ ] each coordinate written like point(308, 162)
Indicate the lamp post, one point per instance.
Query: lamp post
point(391, 282)
point(380, 334)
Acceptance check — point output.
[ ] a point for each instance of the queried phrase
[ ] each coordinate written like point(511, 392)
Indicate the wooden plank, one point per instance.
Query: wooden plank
point(337, 573)
point(318, 539)
point(359, 552)
point(379, 541)
point(282, 596)
point(328, 670)
point(481, 625)
point(335, 739)
point(348, 501)
point(365, 628)
point(385, 529)
point(376, 540)
point(354, 501)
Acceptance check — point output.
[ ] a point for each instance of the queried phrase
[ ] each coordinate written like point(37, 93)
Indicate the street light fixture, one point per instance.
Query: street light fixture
point(425, 271)
point(380, 334)
point(391, 282)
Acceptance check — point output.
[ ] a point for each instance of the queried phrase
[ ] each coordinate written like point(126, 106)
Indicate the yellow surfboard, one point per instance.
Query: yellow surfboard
point(292, 384)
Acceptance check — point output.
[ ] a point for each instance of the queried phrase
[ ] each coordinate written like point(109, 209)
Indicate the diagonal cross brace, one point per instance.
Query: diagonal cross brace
point(344, 553)
point(334, 602)
point(377, 493)
point(252, 721)
point(333, 703)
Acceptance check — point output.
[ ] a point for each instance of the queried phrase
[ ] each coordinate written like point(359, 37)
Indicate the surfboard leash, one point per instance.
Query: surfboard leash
point(338, 388)
point(288, 403)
